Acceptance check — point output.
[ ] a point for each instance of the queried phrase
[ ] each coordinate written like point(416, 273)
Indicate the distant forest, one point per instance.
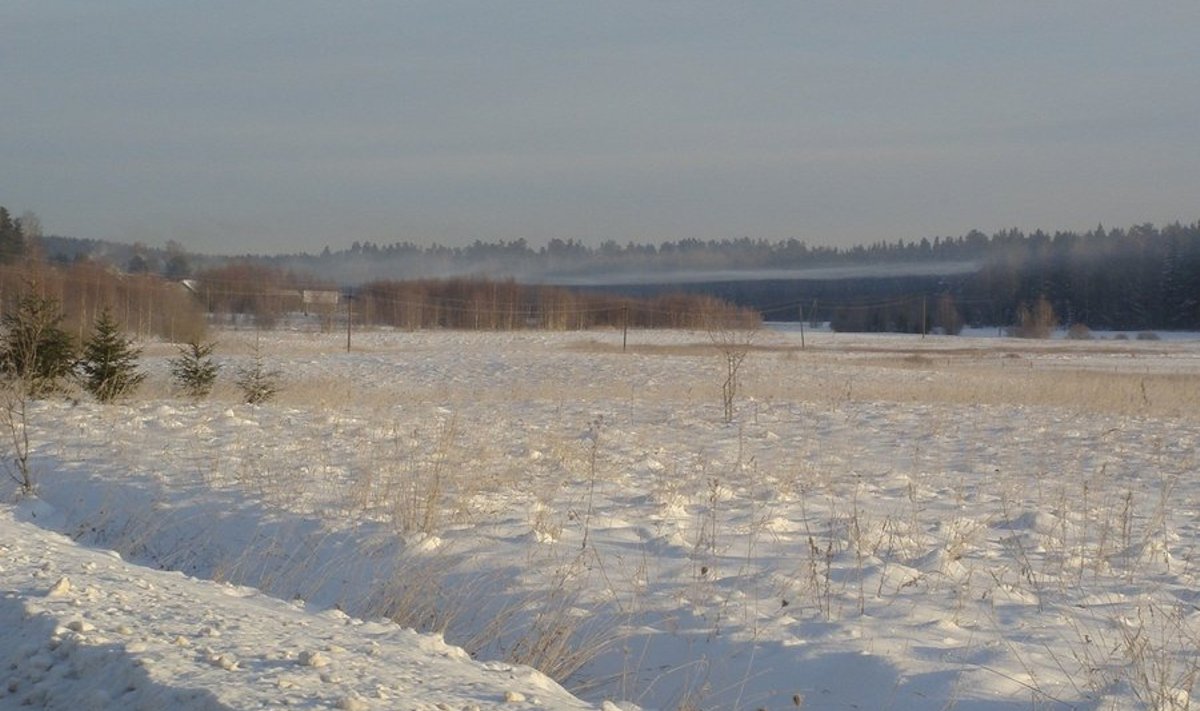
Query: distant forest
point(1139, 278)
point(1143, 277)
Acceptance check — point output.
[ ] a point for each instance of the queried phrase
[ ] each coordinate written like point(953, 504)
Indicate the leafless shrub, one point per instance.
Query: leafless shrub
point(14, 418)
point(733, 338)
point(946, 316)
point(1079, 332)
point(1036, 321)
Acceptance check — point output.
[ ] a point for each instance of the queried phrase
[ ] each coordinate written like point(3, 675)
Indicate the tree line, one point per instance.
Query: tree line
point(502, 305)
point(1141, 277)
point(255, 295)
point(144, 304)
point(242, 293)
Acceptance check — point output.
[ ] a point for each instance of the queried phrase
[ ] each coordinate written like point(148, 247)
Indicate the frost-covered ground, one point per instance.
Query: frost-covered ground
point(889, 522)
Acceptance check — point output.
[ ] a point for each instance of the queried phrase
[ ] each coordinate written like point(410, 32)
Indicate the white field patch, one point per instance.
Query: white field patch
point(889, 522)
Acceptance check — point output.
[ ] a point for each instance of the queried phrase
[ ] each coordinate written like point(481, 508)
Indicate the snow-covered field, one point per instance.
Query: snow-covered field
point(889, 522)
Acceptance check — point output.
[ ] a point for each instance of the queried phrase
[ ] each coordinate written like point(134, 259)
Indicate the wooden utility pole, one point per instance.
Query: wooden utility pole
point(923, 322)
point(801, 326)
point(624, 327)
point(349, 318)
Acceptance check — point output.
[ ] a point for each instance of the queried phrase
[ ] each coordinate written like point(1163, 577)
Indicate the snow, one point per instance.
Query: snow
point(889, 522)
point(85, 629)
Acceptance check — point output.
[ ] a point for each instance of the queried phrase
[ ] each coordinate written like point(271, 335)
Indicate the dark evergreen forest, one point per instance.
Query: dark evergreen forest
point(1141, 278)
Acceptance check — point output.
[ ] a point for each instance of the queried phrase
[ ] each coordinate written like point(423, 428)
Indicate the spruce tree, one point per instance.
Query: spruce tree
point(12, 237)
point(110, 361)
point(258, 383)
point(194, 371)
point(34, 348)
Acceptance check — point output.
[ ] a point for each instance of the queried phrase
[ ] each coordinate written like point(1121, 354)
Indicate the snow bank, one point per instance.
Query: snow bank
point(83, 629)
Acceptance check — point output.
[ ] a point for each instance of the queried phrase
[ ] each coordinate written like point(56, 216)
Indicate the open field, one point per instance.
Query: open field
point(888, 522)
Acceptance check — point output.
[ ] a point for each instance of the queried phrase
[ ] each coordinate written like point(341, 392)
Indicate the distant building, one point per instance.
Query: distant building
point(325, 297)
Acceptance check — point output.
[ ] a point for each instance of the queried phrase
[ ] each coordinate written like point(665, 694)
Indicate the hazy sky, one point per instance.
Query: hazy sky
point(267, 126)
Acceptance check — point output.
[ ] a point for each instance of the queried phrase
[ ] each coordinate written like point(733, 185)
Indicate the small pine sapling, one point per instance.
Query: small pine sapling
point(257, 383)
point(109, 361)
point(194, 371)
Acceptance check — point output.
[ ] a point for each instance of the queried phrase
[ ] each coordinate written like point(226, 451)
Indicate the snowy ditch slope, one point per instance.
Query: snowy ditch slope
point(83, 629)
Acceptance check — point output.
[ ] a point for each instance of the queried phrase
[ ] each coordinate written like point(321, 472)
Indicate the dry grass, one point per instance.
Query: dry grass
point(1160, 395)
point(1113, 377)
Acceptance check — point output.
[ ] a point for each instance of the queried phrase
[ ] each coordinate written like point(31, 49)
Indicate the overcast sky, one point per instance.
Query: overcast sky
point(259, 126)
